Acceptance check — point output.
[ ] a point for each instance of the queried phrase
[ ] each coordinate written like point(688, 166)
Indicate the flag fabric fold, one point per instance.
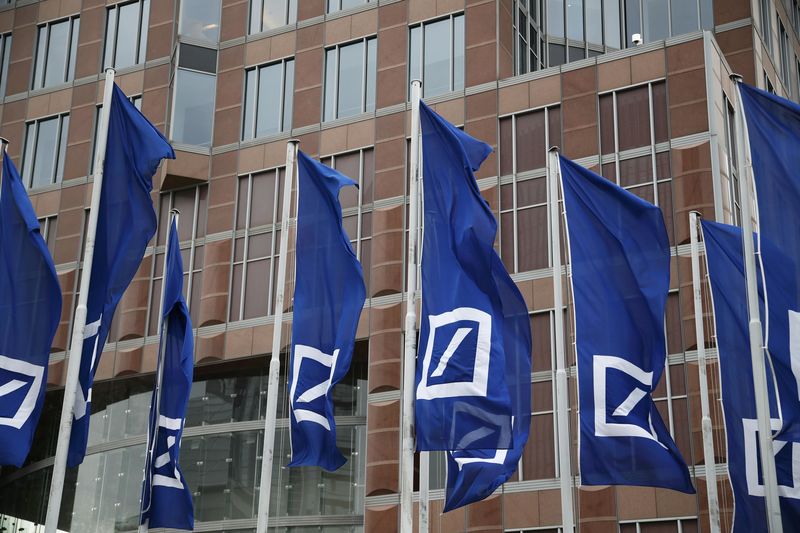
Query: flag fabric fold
point(328, 299)
point(773, 127)
point(126, 222)
point(620, 258)
point(166, 499)
point(30, 309)
point(723, 245)
point(473, 396)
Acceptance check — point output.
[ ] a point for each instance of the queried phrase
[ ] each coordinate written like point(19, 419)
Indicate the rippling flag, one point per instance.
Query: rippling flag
point(723, 245)
point(473, 369)
point(328, 298)
point(620, 276)
point(166, 499)
point(773, 125)
point(30, 308)
point(126, 222)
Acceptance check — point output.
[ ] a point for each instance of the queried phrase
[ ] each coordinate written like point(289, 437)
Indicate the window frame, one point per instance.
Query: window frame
point(58, 163)
point(39, 77)
point(451, 26)
point(365, 70)
point(142, 33)
point(174, 83)
point(290, 16)
point(256, 101)
point(6, 42)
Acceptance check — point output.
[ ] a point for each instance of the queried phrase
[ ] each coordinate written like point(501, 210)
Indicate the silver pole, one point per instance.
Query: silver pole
point(562, 392)
point(79, 323)
point(162, 329)
point(756, 335)
point(268, 453)
point(708, 436)
point(410, 330)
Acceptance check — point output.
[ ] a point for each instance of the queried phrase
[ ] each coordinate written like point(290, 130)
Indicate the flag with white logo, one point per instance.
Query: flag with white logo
point(773, 125)
point(30, 308)
point(620, 258)
point(126, 222)
point(473, 368)
point(723, 246)
point(328, 298)
point(166, 499)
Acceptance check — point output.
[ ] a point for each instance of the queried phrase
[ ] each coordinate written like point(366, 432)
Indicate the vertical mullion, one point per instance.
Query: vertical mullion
point(616, 139)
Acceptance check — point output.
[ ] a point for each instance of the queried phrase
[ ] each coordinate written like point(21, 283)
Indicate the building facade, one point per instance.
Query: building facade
point(229, 82)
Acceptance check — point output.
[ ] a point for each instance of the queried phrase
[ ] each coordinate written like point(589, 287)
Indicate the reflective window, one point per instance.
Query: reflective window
point(195, 94)
point(575, 20)
point(337, 5)
point(200, 19)
point(5, 58)
point(684, 15)
point(766, 24)
point(350, 79)
point(126, 34)
point(268, 100)
point(45, 147)
point(656, 17)
point(613, 23)
point(56, 45)
point(437, 55)
point(268, 14)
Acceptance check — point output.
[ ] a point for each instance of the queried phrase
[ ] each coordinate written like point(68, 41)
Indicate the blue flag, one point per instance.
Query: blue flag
point(723, 246)
point(620, 277)
point(166, 500)
point(328, 298)
point(30, 308)
point(126, 222)
point(773, 124)
point(474, 365)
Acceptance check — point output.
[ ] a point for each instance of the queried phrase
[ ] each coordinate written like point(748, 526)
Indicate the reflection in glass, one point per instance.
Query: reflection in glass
point(269, 14)
point(200, 19)
point(194, 107)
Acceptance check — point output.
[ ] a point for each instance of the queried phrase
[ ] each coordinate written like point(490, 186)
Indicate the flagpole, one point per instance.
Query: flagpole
point(424, 456)
point(268, 453)
point(562, 392)
point(708, 436)
point(79, 322)
point(162, 329)
point(410, 331)
point(756, 335)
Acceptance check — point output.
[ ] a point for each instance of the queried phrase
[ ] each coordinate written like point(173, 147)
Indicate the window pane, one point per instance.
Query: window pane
point(506, 147)
point(607, 123)
point(371, 74)
point(250, 104)
point(532, 238)
point(531, 149)
point(437, 58)
point(330, 84)
point(575, 19)
point(6, 58)
point(128, 31)
point(611, 13)
point(57, 49)
point(351, 79)
point(73, 49)
point(41, 51)
point(274, 15)
point(594, 22)
point(633, 108)
point(635, 171)
point(632, 20)
point(288, 96)
point(415, 51)
point(45, 150)
point(458, 53)
point(30, 150)
point(707, 14)
point(255, 293)
point(684, 16)
point(268, 119)
point(200, 19)
point(539, 456)
point(656, 20)
point(555, 18)
point(144, 30)
point(558, 54)
point(660, 112)
point(194, 107)
point(255, 16)
point(62, 148)
point(198, 58)
point(111, 32)
point(262, 208)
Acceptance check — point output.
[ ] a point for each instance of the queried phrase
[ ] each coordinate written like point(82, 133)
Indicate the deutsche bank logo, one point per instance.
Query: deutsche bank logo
point(302, 353)
point(634, 376)
point(173, 479)
point(785, 453)
point(472, 319)
point(26, 407)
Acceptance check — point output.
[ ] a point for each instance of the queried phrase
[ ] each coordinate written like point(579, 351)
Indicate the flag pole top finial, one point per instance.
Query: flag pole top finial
point(293, 141)
point(555, 149)
point(5, 142)
point(174, 211)
point(736, 78)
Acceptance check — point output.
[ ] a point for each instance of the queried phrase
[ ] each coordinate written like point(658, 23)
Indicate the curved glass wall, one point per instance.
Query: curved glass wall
point(220, 458)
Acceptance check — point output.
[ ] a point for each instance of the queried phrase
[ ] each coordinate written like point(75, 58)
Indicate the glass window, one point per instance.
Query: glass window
point(45, 146)
point(785, 65)
point(268, 14)
point(437, 55)
point(656, 20)
point(268, 99)
point(337, 5)
point(350, 79)
point(575, 20)
point(684, 17)
point(766, 24)
point(555, 18)
point(126, 34)
point(200, 19)
point(612, 23)
point(594, 22)
point(5, 58)
point(193, 111)
point(633, 20)
point(55, 53)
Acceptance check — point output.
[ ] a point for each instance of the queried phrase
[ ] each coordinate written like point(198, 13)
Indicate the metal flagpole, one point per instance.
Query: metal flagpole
point(162, 329)
point(708, 442)
point(410, 331)
point(756, 336)
point(275, 360)
point(79, 322)
point(562, 392)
